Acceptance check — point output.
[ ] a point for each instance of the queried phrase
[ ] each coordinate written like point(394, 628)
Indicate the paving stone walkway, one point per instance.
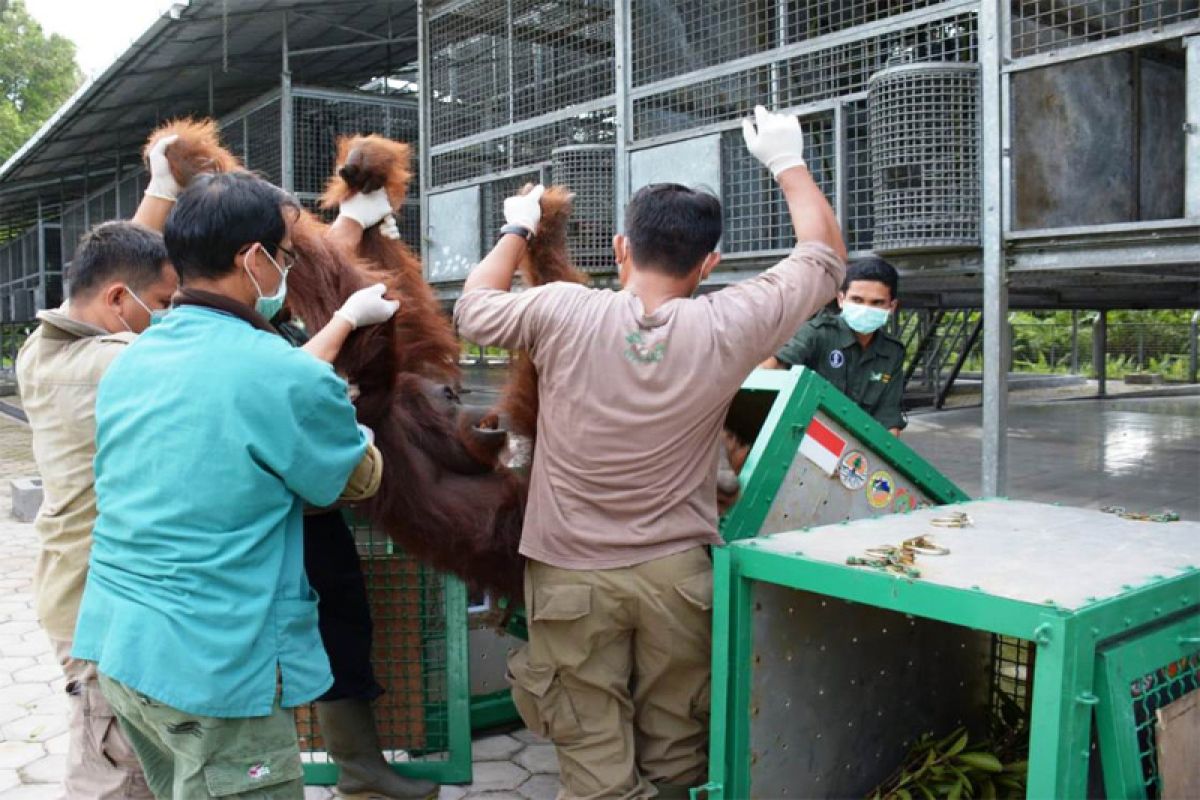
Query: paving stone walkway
point(33, 738)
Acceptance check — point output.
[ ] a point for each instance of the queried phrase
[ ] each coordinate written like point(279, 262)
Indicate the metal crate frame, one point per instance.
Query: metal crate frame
point(1085, 660)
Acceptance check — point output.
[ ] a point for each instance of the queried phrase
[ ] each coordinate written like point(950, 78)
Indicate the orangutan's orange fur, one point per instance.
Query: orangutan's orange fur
point(197, 150)
point(443, 497)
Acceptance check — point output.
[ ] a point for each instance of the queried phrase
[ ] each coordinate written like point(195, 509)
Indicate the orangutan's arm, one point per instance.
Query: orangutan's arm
point(152, 212)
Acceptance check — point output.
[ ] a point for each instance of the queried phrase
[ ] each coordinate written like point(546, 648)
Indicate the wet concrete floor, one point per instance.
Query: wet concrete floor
point(1141, 453)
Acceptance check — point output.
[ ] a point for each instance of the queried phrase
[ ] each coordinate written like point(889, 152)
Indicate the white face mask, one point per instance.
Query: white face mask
point(864, 319)
point(157, 315)
point(266, 305)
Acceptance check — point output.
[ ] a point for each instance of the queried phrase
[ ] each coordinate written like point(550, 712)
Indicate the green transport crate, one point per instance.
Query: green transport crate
point(824, 673)
point(420, 657)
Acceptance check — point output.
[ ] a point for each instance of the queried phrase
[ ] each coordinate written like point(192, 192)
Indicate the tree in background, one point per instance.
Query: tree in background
point(37, 73)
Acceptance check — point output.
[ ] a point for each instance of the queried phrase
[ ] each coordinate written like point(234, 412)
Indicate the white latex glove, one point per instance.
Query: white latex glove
point(525, 209)
point(366, 208)
point(367, 307)
point(367, 432)
point(162, 182)
point(778, 143)
point(388, 229)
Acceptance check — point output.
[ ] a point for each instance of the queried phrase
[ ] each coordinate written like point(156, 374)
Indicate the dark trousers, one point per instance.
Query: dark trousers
point(343, 612)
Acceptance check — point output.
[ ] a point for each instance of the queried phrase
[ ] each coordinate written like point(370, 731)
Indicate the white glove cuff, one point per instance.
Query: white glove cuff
point(163, 190)
point(785, 162)
point(343, 315)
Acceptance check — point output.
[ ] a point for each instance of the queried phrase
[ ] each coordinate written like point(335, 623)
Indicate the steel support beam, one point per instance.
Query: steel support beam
point(1191, 129)
point(992, 32)
point(1100, 353)
point(287, 130)
point(622, 57)
point(424, 158)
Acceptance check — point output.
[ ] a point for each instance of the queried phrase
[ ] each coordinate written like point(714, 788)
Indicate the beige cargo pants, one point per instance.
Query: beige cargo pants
point(616, 674)
point(101, 764)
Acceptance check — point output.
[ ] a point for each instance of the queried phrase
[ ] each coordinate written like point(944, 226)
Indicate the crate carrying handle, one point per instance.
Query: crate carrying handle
point(715, 791)
point(1186, 640)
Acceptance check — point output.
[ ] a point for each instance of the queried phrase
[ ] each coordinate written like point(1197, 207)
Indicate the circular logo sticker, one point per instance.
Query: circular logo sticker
point(879, 489)
point(836, 359)
point(903, 501)
point(852, 470)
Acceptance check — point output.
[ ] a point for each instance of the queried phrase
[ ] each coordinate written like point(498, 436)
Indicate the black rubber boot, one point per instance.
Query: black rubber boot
point(348, 728)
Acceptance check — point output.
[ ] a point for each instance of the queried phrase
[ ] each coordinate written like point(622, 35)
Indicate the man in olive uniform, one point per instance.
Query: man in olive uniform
point(851, 350)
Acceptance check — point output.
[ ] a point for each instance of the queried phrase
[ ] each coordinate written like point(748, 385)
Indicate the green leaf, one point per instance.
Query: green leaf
point(1019, 767)
point(904, 794)
point(958, 746)
point(987, 789)
point(925, 791)
point(984, 761)
point(956, 792)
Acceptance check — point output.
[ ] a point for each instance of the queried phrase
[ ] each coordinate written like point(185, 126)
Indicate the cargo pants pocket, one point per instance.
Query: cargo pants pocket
point(264, 775)
point(538, 693)
point(697, 590)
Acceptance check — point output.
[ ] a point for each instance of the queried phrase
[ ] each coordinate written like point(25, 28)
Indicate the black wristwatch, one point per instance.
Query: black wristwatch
point(517, 230)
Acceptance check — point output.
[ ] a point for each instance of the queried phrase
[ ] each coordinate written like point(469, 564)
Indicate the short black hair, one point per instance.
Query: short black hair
point(872, 268)
point(116, 250)
point(671, 228)
point(217, 215)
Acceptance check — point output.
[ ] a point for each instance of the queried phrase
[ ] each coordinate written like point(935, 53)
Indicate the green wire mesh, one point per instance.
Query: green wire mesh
point(409, 655)
point(1151, 692)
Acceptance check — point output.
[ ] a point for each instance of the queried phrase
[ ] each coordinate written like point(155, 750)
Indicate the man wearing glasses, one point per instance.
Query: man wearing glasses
point(212, 433)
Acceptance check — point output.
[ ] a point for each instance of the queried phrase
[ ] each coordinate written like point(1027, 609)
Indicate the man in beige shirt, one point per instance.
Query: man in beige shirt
point(120, 283)
point(633, 389)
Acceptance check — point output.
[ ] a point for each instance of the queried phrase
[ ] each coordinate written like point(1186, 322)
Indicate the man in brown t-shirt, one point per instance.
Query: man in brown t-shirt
point(633, 389)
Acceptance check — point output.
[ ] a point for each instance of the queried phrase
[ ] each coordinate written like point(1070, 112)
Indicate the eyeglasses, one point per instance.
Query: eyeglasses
point(289, 258)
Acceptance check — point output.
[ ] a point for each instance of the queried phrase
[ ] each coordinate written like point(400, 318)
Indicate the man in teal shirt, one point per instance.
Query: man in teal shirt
point(212, 433)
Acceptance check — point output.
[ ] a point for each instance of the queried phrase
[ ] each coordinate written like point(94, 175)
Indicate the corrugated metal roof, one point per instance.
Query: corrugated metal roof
point(200, 58)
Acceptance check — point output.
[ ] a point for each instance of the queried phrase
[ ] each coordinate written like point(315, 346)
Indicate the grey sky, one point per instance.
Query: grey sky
point(101, 30)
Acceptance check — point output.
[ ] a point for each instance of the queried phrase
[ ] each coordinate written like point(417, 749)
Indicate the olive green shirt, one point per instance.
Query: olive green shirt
point(872, 378)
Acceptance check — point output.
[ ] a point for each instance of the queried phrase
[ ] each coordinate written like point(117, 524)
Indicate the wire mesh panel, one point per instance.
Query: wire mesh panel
point(321, 118)
point(1040, 26)
point(562, 54)
point(74, 225)
point(468, 71)
point(263, 153)
point(842, 68)
point(672, 37)
point(587, 170)
point(925, 139)
point(1150, 693)
point(756, 216)
point(410, 657)
point(859, 222)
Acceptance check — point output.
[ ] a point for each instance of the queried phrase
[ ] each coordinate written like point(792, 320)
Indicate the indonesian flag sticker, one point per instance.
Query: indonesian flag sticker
point(822, 446)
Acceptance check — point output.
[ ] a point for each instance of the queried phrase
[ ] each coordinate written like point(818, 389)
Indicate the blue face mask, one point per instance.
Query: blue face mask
point(864, 319)
point(157, 315)
point(269, 306)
